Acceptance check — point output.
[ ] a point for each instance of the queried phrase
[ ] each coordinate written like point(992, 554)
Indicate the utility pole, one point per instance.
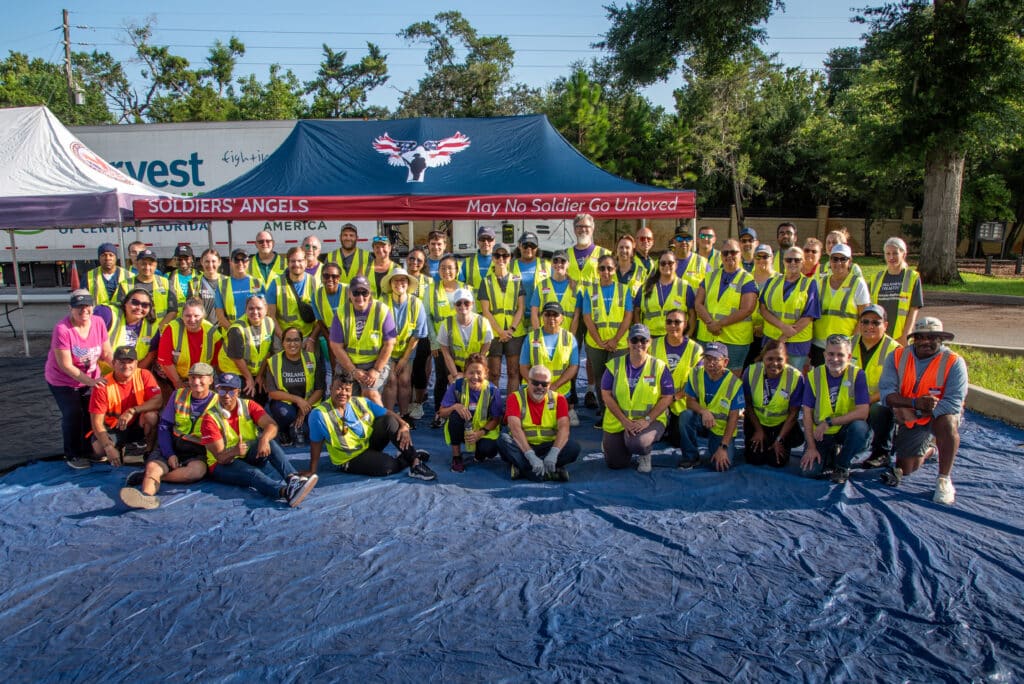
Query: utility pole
point(67, 59)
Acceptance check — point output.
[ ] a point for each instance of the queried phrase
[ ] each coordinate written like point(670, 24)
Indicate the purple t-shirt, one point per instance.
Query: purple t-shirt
point(582, 255)
point(860, 389)
point(388, 328)
point(633, 376)
point(85, 351)
point(165, 428)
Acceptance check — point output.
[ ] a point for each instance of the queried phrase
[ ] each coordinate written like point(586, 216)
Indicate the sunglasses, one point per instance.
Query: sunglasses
point(360, 293)
point(682, 238)
point(730, 252)
point(502, 256)
point(793, 260)
point(666, 263)
point(463, 303)
point(539, 383)
point(605, 268)
point(240, 259)
point(638, 340)
point(645, 239)
point(706, 236)
point(485, 239)
point(873, 322)
point(330, 276)
point(837, 339)
point(528, 245)
point(761, 256)
point(673, 321)
point(136, 302)
point(839, 259)
point(559, 261)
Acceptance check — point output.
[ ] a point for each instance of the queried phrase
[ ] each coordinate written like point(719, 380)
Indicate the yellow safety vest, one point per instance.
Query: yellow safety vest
point(288, 304)
point(256, 345)
point(474, 274)
point(462, 349)
point(323, 304)
point(193, 286)
point(343, 444)
point(642, 269)
point(365, 347)
point(227, 296)
point(160, 294)
point(725, 304)
point(838, 310)
point(637, 403)
point(777, 410)
point(788, 310)
point(608, 320)
point(275, 365)
point(873, 368)
point(419, 286)
point(652, 311)
point(360, 264)
point(695, 271)
point(547, 431)
point(277, 269)
point(438, 306)
point(721, 402)
point(184, 426)
point(180, 349)
point(481, 414)
point(845, 400)
point(910, 280)
point(412, 314)
point(248, 430)
point(681, 369)
point(116, 336)
point(504, 301)
point(558, 361)
point(546, 293)
point(97, 287)
point(542, 270)
point(587, 274)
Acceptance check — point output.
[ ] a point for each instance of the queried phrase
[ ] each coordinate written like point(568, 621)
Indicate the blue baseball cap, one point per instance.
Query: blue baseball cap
point(229, 381)
point(716, 349)
point(748, 231)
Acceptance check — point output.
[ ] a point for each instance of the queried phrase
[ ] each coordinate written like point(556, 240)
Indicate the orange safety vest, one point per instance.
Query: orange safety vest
point(114, 397)
point(932, 382)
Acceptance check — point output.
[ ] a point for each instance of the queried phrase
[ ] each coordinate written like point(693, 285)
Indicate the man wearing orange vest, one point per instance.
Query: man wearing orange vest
point(124, 411)
point(925, 385)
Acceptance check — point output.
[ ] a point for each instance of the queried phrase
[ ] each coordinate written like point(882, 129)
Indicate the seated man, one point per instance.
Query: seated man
point(714, 401)
point(836, 404)
point(925, 384)
point(537, 444)
point(474, 409)
point(239, 438)
point(124, 412)
point(355, 431)
point(180, 456)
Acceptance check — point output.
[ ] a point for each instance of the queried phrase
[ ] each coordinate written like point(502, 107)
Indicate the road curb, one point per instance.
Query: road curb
point(995, 405)
point(943, 297)
point(992, 349)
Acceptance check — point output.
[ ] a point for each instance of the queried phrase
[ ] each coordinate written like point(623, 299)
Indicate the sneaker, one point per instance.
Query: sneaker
point(438, 422)
point(410, 420)
point(102, 458)
point(876, 461)
point(893, 476)
point(78, 463)
point(827, 472)
point(298, 488)
point(421, 471)
point(134, 498)
point(561, 475)
point(416, 410)
point(574, 420)
point(688, 462)
point(945, 492)
point(643, 463)
point(840, 476)
point(285, 439)
point(590, 399)
point(457, 465)
point(135, 478)
point(423, 455)
point(135, 449)
point(513, 472)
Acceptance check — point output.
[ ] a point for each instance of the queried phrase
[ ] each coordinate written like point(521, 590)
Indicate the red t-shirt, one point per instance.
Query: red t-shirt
point(98, 401)
point(512, 409)
point(165, 355)
point(211, 430)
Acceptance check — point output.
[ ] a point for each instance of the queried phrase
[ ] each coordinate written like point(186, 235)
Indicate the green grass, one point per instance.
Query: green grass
point(973, 282)
point(996, 372)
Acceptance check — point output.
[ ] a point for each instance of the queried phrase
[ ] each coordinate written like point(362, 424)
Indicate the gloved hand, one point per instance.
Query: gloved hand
point(551, 460)
point(536, 464)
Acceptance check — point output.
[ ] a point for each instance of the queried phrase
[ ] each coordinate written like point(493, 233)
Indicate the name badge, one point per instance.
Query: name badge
point(724, 403)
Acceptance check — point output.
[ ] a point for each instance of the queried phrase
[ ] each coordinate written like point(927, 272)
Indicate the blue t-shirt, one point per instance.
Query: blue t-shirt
point(318, 428)
point(334, 300)
point(528, 274)
point(559, 286)
point(483, 262)
point(400, 311)
point(549, 342)
point(710, 387)
point(300, 289)
point(240, 293)
point(607, 294)
point(432, 267)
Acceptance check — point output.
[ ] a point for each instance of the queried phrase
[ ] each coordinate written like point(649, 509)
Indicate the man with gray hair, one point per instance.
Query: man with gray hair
point(537, 445)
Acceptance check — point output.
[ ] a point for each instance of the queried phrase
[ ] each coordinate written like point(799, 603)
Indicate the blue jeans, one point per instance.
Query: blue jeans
point(252, 472)
point(851, 440)
point(73, 403)
point(511, 453)
point(284, 414)
point(691, 430)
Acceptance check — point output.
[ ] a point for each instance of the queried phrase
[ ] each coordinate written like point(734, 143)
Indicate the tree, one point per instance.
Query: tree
point(340, 90)
point(478, 85)
point(280, 98)
point(580, 114)
point(955, 69)
point(26, 82)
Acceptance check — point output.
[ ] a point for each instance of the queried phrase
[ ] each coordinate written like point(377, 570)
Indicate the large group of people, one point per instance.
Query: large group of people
point(209, 374)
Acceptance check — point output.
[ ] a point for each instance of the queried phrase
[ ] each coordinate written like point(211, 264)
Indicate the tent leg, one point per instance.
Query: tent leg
point(17, 287)
point(209, 233)
point(231, 239)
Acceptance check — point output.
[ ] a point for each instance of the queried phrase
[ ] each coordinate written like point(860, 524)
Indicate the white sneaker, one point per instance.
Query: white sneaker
point(574, 420)
point(643, 464)
point(416, 410)
point(945, 492)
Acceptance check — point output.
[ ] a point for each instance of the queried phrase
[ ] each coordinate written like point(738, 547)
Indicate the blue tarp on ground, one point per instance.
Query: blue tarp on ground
point(754, 574)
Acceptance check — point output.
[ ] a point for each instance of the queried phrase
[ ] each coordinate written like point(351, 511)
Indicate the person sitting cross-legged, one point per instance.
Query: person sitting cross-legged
point(537, 445)
point(355, 431)
point(474, 408)
point(124, 411)
point(239, 439)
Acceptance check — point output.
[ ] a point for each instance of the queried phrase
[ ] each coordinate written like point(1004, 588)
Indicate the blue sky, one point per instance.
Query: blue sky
point(547, 36)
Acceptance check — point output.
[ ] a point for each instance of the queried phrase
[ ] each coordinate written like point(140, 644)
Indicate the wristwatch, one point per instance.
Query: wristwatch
point(828, 421)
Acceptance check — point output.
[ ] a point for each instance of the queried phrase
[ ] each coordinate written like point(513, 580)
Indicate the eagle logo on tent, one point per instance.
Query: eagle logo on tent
point(416, 157)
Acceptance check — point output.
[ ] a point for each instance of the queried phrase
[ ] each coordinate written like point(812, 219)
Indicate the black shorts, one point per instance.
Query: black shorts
point(133, 433)
point(185, 451)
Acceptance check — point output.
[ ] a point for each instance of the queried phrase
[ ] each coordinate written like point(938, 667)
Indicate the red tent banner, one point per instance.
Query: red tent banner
point(663, 204)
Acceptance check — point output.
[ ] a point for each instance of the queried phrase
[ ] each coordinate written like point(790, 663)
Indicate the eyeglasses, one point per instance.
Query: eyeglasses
point(605, 268)
point(240, 259)
point(136, 302)
point(666, 263)
point(539, 383)
point(264, 242)
point(293, 340)
point(583, 225)
point(638, 340)
point(730, 252)
point(873, 322)
point(839, 259)
point(360, 293)
point(793, 260)
point(761, 256)
point(674, 321)
point(330, 276)
point(463, 303)
point(706, 236)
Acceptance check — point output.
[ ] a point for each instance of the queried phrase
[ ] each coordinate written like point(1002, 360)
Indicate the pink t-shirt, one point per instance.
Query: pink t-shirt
point(85, 351)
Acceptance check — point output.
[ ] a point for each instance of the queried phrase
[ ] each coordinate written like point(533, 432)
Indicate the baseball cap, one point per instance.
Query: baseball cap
point(146, 254)
point(229, 380)
point(239, 251)
point(763, 249)
point(930, 325)
point(875, 309)
point(201, 369)
point(683, 231)
point(378, 239)
point(463, 295)
point(639, 330)
point(842, 250)
point(350, 226)
point(106, 247)
point(716, 349)
point(81, 298)
point(552, 306)
point(500, 249)
point(485, 232)
point(183, 250)
point(560, 254)
point(359, 283)
point(125, 352)
point(529, 239)
point(748, 231)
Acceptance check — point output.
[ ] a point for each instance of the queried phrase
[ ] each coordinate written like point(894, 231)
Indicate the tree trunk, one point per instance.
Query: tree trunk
point(737, 194)
point(943, 178)
point(869, 220)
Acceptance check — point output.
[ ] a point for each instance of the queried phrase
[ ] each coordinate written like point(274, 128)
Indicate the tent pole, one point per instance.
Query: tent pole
point(209, 233)
point(231, 239)
point(17, 287)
